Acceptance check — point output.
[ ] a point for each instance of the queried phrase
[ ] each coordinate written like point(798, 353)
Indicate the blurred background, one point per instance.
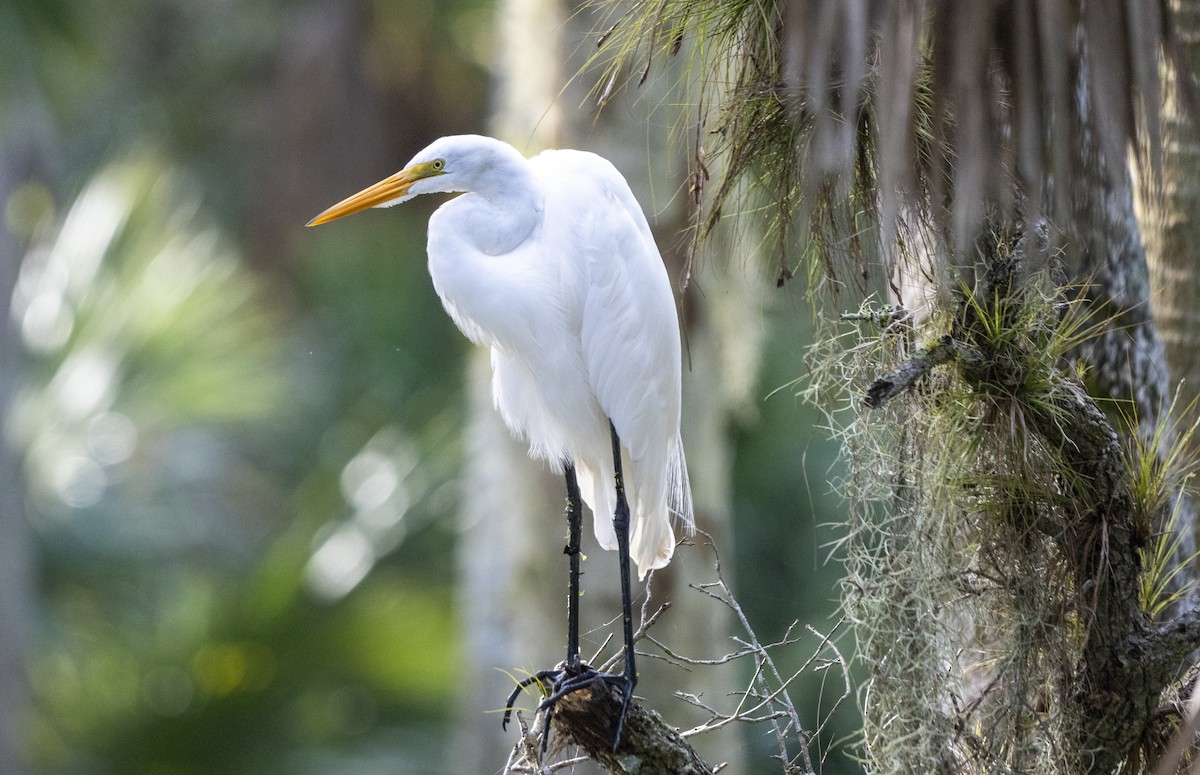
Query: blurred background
point(256, 513)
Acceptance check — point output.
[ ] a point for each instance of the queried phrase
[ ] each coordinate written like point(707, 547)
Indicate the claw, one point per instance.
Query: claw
point(565, 680)
point(541, 677)
point(586, 678)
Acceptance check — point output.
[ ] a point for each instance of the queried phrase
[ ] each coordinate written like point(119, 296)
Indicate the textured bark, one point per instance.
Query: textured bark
point(648, 746)
point(1024, 109)
point(1111, 692)
point(1128, 361)
point(1116, 684)
point(907, 375)
point(1170, 208)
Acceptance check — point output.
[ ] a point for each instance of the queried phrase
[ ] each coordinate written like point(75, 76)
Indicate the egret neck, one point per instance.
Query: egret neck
point(500, 210)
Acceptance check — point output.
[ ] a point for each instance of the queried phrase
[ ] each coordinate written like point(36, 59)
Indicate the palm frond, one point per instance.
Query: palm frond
point(842, 109)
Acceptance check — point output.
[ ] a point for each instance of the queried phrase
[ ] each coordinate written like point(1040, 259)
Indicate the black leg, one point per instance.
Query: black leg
point(621, 526)
point(574, 528)
point(574, 674)
point(550, 678)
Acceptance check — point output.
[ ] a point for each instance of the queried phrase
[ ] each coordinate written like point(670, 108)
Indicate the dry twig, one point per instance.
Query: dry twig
point(587, 718)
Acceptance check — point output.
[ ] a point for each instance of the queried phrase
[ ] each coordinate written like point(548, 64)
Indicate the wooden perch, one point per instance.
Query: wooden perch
point(649, 746)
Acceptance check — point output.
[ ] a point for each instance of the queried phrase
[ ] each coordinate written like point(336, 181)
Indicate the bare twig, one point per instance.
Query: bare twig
point(587, 718)
point(884, 317)
point(524, 759)
point(768, 689)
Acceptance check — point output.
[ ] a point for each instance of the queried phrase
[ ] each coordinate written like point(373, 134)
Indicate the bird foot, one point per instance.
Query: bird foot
point(566, 679)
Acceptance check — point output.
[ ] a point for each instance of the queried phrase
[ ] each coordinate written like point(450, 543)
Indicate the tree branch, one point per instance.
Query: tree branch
point(901, 379)
point(649, 746)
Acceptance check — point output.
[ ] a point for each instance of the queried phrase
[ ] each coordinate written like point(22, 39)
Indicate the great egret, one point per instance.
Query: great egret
point(550, 262)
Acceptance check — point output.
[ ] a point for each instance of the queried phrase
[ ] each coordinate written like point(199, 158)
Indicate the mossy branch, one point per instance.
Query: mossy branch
point(903, 378)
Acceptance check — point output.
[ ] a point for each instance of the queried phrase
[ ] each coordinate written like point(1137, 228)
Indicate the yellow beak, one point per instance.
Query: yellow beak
point(384, 191)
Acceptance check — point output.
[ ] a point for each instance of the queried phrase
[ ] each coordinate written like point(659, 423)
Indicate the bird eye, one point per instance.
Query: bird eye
point(438, 164)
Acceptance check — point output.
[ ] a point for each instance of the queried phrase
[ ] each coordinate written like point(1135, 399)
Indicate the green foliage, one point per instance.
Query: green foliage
point(140, 314)
point(1161, 466)
point(196, 432)
point(155, 358)
point(1160, 589)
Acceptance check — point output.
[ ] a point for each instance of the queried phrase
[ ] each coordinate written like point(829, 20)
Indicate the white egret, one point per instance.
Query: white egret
point(550, 262)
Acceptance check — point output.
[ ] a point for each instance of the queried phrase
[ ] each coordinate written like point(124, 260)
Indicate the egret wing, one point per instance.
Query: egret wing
point(629, 335)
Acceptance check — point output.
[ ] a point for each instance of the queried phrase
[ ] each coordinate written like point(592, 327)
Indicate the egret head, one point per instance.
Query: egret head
point(448, 164)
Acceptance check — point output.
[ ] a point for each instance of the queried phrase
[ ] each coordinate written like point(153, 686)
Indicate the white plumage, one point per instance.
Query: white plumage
point(550, 262)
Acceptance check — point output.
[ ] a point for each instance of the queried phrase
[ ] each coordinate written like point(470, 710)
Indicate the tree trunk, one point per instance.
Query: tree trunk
point(1127, 359)
point(1109, 690)
point(1173, 228)
point(512, 573)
